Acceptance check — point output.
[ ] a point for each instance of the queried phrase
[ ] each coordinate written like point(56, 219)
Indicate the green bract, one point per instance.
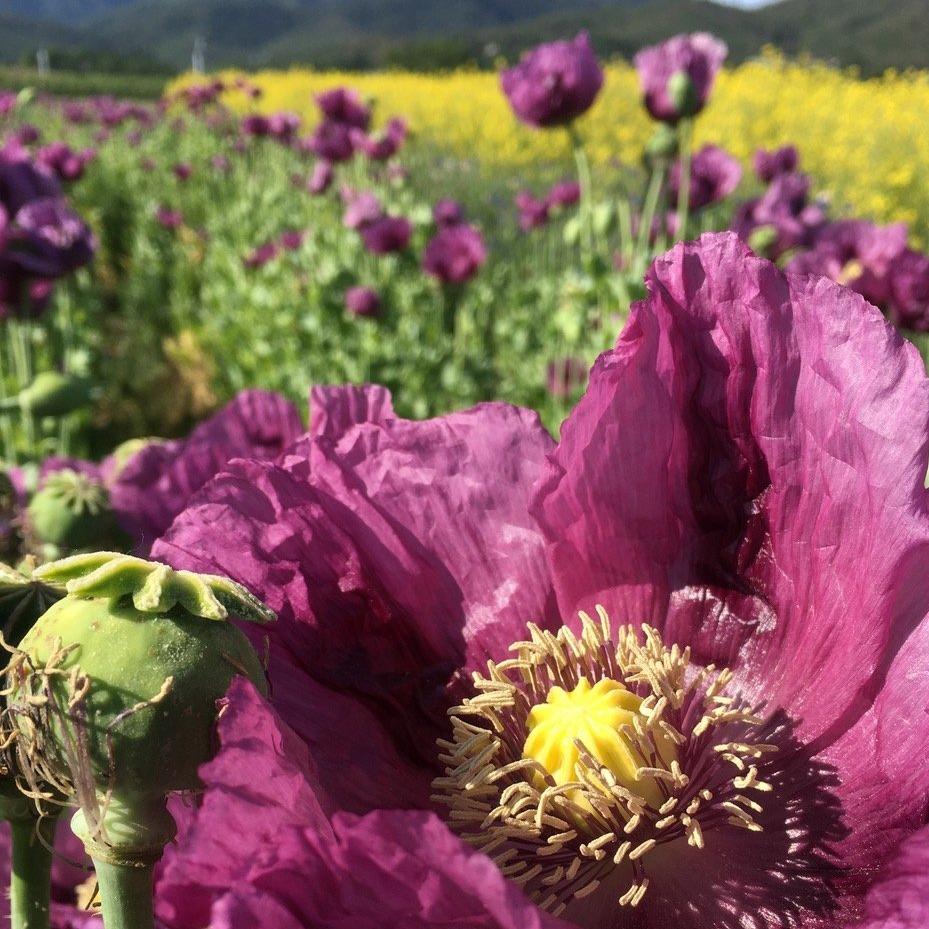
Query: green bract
point(133, 661)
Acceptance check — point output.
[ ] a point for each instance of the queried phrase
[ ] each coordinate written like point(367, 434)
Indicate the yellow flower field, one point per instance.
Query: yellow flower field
point(866, 142)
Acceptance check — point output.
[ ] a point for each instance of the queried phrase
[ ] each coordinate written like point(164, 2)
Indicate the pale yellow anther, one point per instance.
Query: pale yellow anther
point(598, 716)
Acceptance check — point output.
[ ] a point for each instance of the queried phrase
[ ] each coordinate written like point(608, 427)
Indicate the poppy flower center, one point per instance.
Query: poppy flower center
point(601, 718)
point(581, 755)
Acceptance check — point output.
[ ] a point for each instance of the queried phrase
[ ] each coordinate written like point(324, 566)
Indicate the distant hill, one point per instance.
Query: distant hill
point(872, 35)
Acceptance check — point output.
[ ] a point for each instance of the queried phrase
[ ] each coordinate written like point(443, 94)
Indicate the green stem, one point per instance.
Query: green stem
point(126, 895)
point(686, 158)
point(584, 179)
point(31, 873)
point(650, 205)
point(22, 363)
point(6, 425)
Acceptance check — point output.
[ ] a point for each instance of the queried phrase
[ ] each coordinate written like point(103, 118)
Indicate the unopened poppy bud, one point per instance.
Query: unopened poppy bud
point(51, 394)
point(71, 511)
point(682, 92)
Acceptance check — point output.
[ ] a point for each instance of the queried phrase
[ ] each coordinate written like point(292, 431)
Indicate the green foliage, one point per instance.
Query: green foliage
point(80, 84)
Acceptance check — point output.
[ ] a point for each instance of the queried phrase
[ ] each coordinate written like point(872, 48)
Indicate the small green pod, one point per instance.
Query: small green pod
point(71, 511)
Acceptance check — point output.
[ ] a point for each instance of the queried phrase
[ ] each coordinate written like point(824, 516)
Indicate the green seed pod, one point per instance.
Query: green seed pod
point(71, 511)
point(683, 94)
point(51, 394)
point(131, 664)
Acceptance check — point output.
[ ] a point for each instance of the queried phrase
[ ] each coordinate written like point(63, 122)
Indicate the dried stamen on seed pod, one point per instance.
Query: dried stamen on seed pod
point(583, 753)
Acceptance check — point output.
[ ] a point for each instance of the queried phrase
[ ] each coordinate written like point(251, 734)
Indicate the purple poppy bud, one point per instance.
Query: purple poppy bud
point(455, 254)
point(564, 194)
point(256, 125)
point(387, 234)
point(909, 287)
point(533, 212)
point(363, 301)
point(554, 83)
point(714, 174)
point(771, 164)
point(260, 256)
point(183, 171)
point(168, 218)
point(447, 213)
point(292, 239)
point(344, 105)
point(677, 76)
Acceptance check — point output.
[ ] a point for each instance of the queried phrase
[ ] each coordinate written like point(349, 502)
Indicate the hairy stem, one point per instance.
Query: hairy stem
point(31, 873)
point(585, 180)
point(126, 894)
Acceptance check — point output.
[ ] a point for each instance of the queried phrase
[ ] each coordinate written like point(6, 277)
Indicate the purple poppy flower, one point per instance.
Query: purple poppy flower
point(344, 105)
point(321, 178)
point(27, 134)
point(283, 126)
point(564, 194)
point(856, 253)
point(776, 497)
point(362, 301)
point(155, 484)
point(362, 208)
point(771, 164)
point(21, 182)
point(51, 240)
point(259, 256)
point(386, 234)
point(714, 174)
point(63, 161)
point(533, 212)
point(554, 83)
point(782, 219)
point(909, 291)
point(677, 76)
point(168, 218)
point(256, 125)
point(566, 377)
point(292, 239)
point(899, 898)
point(331, 141)
point(455, 254)
point(183, 171)
point(383, 146)
point(447, 213)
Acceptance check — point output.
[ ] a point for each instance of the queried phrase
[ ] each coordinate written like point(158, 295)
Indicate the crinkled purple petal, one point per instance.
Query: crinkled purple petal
point(785, 449)
point(899, 898)
point(397, 554)
point(155, 485)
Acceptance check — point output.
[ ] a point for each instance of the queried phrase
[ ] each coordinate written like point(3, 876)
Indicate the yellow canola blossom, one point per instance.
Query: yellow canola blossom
point(866, 142)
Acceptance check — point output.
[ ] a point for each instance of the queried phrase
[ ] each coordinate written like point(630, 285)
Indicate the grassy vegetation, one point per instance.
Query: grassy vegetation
point(83, 84)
